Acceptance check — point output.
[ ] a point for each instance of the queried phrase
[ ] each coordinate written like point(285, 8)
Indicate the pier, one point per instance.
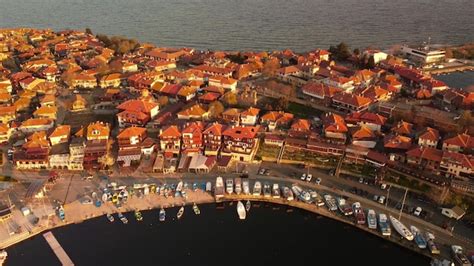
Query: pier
point(58, 250)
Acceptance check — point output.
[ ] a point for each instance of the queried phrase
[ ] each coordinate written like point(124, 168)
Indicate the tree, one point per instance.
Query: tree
point(281, 104)
point(371, 62)
point(340, 52)
point(356, 52)
point(163, 100)
point(466, 119)
point(230, 98)
point(216, 108)
point(10, 64)
point(89, 31)
point(270, 66)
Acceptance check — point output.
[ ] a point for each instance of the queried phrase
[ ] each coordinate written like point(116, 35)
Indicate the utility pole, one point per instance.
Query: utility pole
point(403, 204)
point(388, 194)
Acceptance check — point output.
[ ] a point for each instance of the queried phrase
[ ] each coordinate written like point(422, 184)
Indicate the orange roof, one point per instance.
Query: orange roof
point(334, 123)
point(214, 129)
point(241, 132)
point(351, 99)
point(101, 128)
point(397, 142)
point(170, 132)
point(194, 110)
point(113, 76)
point(63, 130)
point(251, 112)
point(46, 110)
point(186, 91)
point(138, 106)
point(37, 140)
point(131, 132)
point(403, 128)
point(462, 140)
point(430, 134)
point(426, 153)
point(36, 122)
point(194, 128)
point(301, 125)
point(232, 112)
point(362, 133)
point(4, 128)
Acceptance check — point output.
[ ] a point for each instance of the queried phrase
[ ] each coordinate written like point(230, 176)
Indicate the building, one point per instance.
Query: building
point(136, 112)
point(371, 120)
point(212, 137)
point(170, 140)
point(76, 154)
point(423, 55)
point(426, 158)
point(429, 137)
point(36, 124)
point(274, 119)
point(455, 212)
point(192, 138)
point(111, 81)
point(130, 150)
point(98, 131)
point(59, 156)
point(95, 153)
point(349, 102)
point(60, 135)
point(457, 165)
point(334, 128)
point(34, 154)
point(240, 142)
point(249, 117)
point(5, 133)
point(460, 143)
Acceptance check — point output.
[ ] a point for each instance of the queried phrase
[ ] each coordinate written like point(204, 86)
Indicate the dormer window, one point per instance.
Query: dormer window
point(95, 132)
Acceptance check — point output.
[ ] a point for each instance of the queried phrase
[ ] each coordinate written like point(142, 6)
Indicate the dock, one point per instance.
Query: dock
point(58, 250)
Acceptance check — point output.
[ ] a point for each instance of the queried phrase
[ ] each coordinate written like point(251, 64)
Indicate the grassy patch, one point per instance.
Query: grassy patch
point(302, 111)
point(268, 151)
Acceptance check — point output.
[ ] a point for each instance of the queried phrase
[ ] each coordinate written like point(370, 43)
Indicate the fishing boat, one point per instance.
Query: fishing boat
point(330, 202)
point(195, 186)
point(431, 243)
point(123, 218)
point(162, 215)
point(247, 205)
point(184, 194)
point(419, 239)
point(229, 185)
point(384, 225)
point(358, 212)
point(267, 192)
point(287, 194)
point(219, 188)
point(343, 206)
point(317, 198)
point(138, 216)
point(305, 196)
point(246, 187)
point(3, 256)
point(241, 210)
point(180, 212)
point(401, 228)
point(208, 187)
point(61, 213)
point(296, 190)
point(196, 209)
point(179, 188)
point(458, 256)
point(257, 188)
point(110, 217)
point(371, 219)
point(238, 185)
point(276, 191)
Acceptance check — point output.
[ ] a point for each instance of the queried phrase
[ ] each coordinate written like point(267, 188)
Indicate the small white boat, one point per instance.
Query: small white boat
point(196, 209)
point(162, 215)
point(3, 256)
point(219, 188)
point(371, 219)
point(229, 185)
point(241, 210)
point(276, 191)
point(431, 243)
point(246, 187)
point(458, 256)
point(180, 212)
point(330, 202)
point(401, 228)
point(287, 194)
point(257, 188)
point(110, 217)
point(296, 190)
point(247, 205)
point(208, 187)
point(238, 185)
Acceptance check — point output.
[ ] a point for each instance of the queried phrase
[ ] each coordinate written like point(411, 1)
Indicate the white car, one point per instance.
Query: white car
point(383, 186)
point(309, 177)
point(361, 180)
point(381, 199)
point(417, 211)
point(303, 177)
point(318, 181)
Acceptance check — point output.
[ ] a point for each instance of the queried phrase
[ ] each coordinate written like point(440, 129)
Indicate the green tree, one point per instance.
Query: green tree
point(89, 31)
point(215, 109)
point(281, 104)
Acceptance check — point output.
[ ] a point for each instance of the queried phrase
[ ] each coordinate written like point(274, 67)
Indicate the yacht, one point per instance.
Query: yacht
point(287, 194)
point(219, 189)
point(276, 191)
point(3, 256)
point(459, 257)
point(229, 185)
point(238, 185)
point(162, 215)
point(123, 218)
point(110, 217)
point(358, 212)
point(384, 225)
point(180, 212)
point(179, 187)
point(138, 216)
point(196, 209)
point(257, 188)
point(371, 219)
point(401, 228)
point(419, 239)
point(241, 210)
point(246, 187)
point(330, 202)
point(343, 206)
point(431, 243)
point(266, 190)
point(247, 205)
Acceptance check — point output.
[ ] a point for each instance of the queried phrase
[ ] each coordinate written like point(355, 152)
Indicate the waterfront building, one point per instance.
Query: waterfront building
point(136, 112)
point(170, 140)
point(76, 154)
point(34, 154)
point(423, 55)
point(212, 137)
point(192, 138)
point(349, 102)
point(460, 143)
point(429, 137)
point(129, 141)
point(425, 157)
point(240, 142)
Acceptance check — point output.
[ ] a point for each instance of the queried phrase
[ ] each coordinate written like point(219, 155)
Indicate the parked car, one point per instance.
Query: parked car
point(318, 181)
point(303, 177)
point(361, 180)
point(417, 211)
point(376, 198)
point(381, 199)
point(383, 186)
point(261, 171)
point(309, 177)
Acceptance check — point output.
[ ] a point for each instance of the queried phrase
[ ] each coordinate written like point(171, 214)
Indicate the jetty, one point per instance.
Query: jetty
point(58, 249)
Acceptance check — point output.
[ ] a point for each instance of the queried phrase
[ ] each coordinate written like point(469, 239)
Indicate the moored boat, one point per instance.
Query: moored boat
point(401, 228)
point(276, 191)
point(123, 218)
point(3, 256)
point(305, 196)
point(287, 193)
point(241, 210)
point(196, 209)
point(219, 188)
point(162, 215)
point(430, 240)
point(371, 219)
point(459, 257)
point(330, 202)
point(246, 187)
point(266, 190)
point(384, 225)
point(296, 190)
point(343, 206)
point(138, 216)
point(110, 217)
point(208, 186)
point(257, 188)
point(229, 185)
point(419, 239)
point(238, 185)
point(180, 212)
point(247, 205)
point(358, 212)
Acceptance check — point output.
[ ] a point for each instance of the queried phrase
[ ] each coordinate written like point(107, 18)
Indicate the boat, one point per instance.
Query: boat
point(238, 185)
point(179, 188)
point(229, 185)
point(123, 218)
point(266, 190)
point(241, 210)
point(458, 256)
point(419, 239)
point(162, 215)
point(196, 209)
point(138, 216)
point(208, 187)
point(219, 188)
point(330, 202)
point(257, 188)
point(431, 243)
point(276, 191)
point(384, 225)
point(3, 256)
point(343, 206)
point(247, 205)
point(287, 194)
point(401, 228)
point(61, 213)
point(184, 194)
point(305, 196)
point(358, 212)
point(371, 219)
point(296, 190)
point(319, 201)
point(246, 187)
point(180, 212)
point(110, 217)
point(195, 186)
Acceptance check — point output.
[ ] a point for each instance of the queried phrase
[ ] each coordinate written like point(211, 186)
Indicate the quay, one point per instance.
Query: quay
point(58, 249)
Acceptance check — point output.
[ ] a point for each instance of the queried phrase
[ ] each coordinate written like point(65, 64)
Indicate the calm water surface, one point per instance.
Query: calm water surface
point(217, 237)
point(254, 24)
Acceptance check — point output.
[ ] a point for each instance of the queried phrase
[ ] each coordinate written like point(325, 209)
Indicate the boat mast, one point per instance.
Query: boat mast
point(403, 204)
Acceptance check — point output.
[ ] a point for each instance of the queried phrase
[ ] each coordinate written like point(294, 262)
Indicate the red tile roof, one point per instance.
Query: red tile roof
point(462, 140)
point(170, 132)
point(430, 134)
point(138, 106)
point(131, 132)
point(426, 153)
point(241, 132)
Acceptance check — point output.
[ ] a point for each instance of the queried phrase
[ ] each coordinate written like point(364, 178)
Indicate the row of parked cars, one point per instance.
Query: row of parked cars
point(308, 177)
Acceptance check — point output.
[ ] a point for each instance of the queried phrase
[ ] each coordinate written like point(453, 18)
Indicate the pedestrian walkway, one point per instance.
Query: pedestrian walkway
point(58, 250)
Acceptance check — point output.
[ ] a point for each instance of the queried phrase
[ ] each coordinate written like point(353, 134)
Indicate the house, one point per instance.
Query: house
point(215, 71)
point(363, 136)
point(346, 84)
point(457, 165)
point(222, 82)
point(460, 143)
point(334, 128)
point(111, 81)
point(95, 153)
point(371, 120)
point(48, 100)
point(300, 128)
point(129, 142)
point(274, 140)
point(429, 137)
point(186, 93)
point(148, 147)
point(212, 136)
point(403, 128)
point(320, 91)
point(76, 154)
point(160, 66)
point(425, 158)
point(209, 97)
point(98, 131)
point(79, 103)
point(83, 81)
point(192, 135)
point(5, 133)
point(455, 212)
point(275, 119)
point(249, 117)
point(170, 140)
point(232, 116)
point(59, 156)
point(195, 111)
point(36, 124)
point(349, 102)
point(46, 112)
point(34, 154)
point(7, 114)
point(60, 135)
point(240, 142)
point(136, 112)
point(397, 142)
